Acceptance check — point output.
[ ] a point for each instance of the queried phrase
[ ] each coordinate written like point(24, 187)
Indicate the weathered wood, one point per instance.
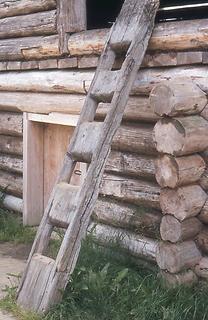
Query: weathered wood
point(202, 240)
point(168, 36)
point(187, 278)
point(19, 7)
point(13, 65)
point(12, 203)
point(131, 164)
point(11, 183)
point(177, 98)
point(11, 145)
point(33, 168)
point(139, 219)
point(29, 65)
point(137, 109)
point(48, 64)
point(41, 102)
point(201, 268)
point(136, 191)
point(203, 216)
point(174, 231)
point(87, 62)
point(11, 163)
point(87, 196)
point(204, 112)
point(177, 257)
point(184, 202)
point(67, 63)
point(181, 136)
point(137, 138)
point(60, 81)
point(11, 124)
point(204, 180)
point(72, 17)
point(173, 172)
point(38, 47)
point(41, 23)
point(135, 244)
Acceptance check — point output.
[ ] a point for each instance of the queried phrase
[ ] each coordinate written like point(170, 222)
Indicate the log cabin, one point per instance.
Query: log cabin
point(153, 195)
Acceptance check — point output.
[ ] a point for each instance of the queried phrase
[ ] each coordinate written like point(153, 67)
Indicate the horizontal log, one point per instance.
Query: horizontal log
point(204, 180)
point(135, 244)
point(41, 23)
point(174, 172)
point(137, 109)
point(41, 102)
point(130, 190)
point(201, 268)
point(168, 36)
point(137, 138)
point(184, 202)
point(38, 47)
point(139, 219)
point(11, 145)
point(203, 216)
point(11, 163)
point(19, 7)
point(177, 98)
point(174, 231)
point(11, 183)
point(11, 124)
point(181, 136)
point(12, 203)
point(177, 257)
point(61, 81)
point(131, 164)
point(79, 82)
point(187, 278)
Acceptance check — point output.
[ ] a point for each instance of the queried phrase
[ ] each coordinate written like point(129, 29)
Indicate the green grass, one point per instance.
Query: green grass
point(107, 285)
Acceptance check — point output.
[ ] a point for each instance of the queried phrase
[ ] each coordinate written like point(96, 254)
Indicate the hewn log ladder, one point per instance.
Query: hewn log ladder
point(44, 278)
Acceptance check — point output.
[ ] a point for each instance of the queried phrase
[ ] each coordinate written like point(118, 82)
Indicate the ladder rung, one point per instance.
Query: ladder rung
point(63, 204)
point(86, 142)
point(105, 86)
point(36, 282)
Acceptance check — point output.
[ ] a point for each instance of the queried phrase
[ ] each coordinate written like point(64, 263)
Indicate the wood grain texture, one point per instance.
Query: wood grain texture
point(11, 145)
point(11, 183)
point(183, 202)
point(11, 163)
point(181, 136)
point(177, 257)
point(11, 124)
point(173, 172)
point(20, 7)
point(144, 221)
point(41, 23)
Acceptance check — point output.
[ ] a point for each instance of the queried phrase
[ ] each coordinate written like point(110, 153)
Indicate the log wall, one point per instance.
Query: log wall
point(44, 71)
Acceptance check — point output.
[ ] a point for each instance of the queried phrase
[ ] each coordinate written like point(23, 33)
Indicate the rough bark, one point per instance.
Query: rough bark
point(11, 145)
point(177, 98)
point(136, 191)
point(174, 172)
point(11, 163)
point(177, 257)
point(184, 202)
point(11, 124)
point(181, 136)
point(19, 7)
point(11, 183)
point(135, 244)
point(41, 23)
point(131, 164)
point(174, 231)
point(139, 219)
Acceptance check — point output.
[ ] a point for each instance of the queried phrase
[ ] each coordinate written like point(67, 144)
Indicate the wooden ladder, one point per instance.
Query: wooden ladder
point(44, 279)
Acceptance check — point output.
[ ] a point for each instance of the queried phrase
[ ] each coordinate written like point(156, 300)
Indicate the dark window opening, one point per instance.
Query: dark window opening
point(102, 13)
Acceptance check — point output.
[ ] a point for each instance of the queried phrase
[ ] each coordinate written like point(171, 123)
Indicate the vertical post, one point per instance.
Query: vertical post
point(72, 17)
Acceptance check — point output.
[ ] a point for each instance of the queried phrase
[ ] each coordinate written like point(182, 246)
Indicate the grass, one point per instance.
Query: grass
point(107, 285)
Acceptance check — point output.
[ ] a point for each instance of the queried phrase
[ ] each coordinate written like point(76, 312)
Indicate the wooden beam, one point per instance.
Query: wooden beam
point(11, 124)
point(10, 8)
point(11, 163)
point(41, 23)
point(11, 183)
point(11, 145)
